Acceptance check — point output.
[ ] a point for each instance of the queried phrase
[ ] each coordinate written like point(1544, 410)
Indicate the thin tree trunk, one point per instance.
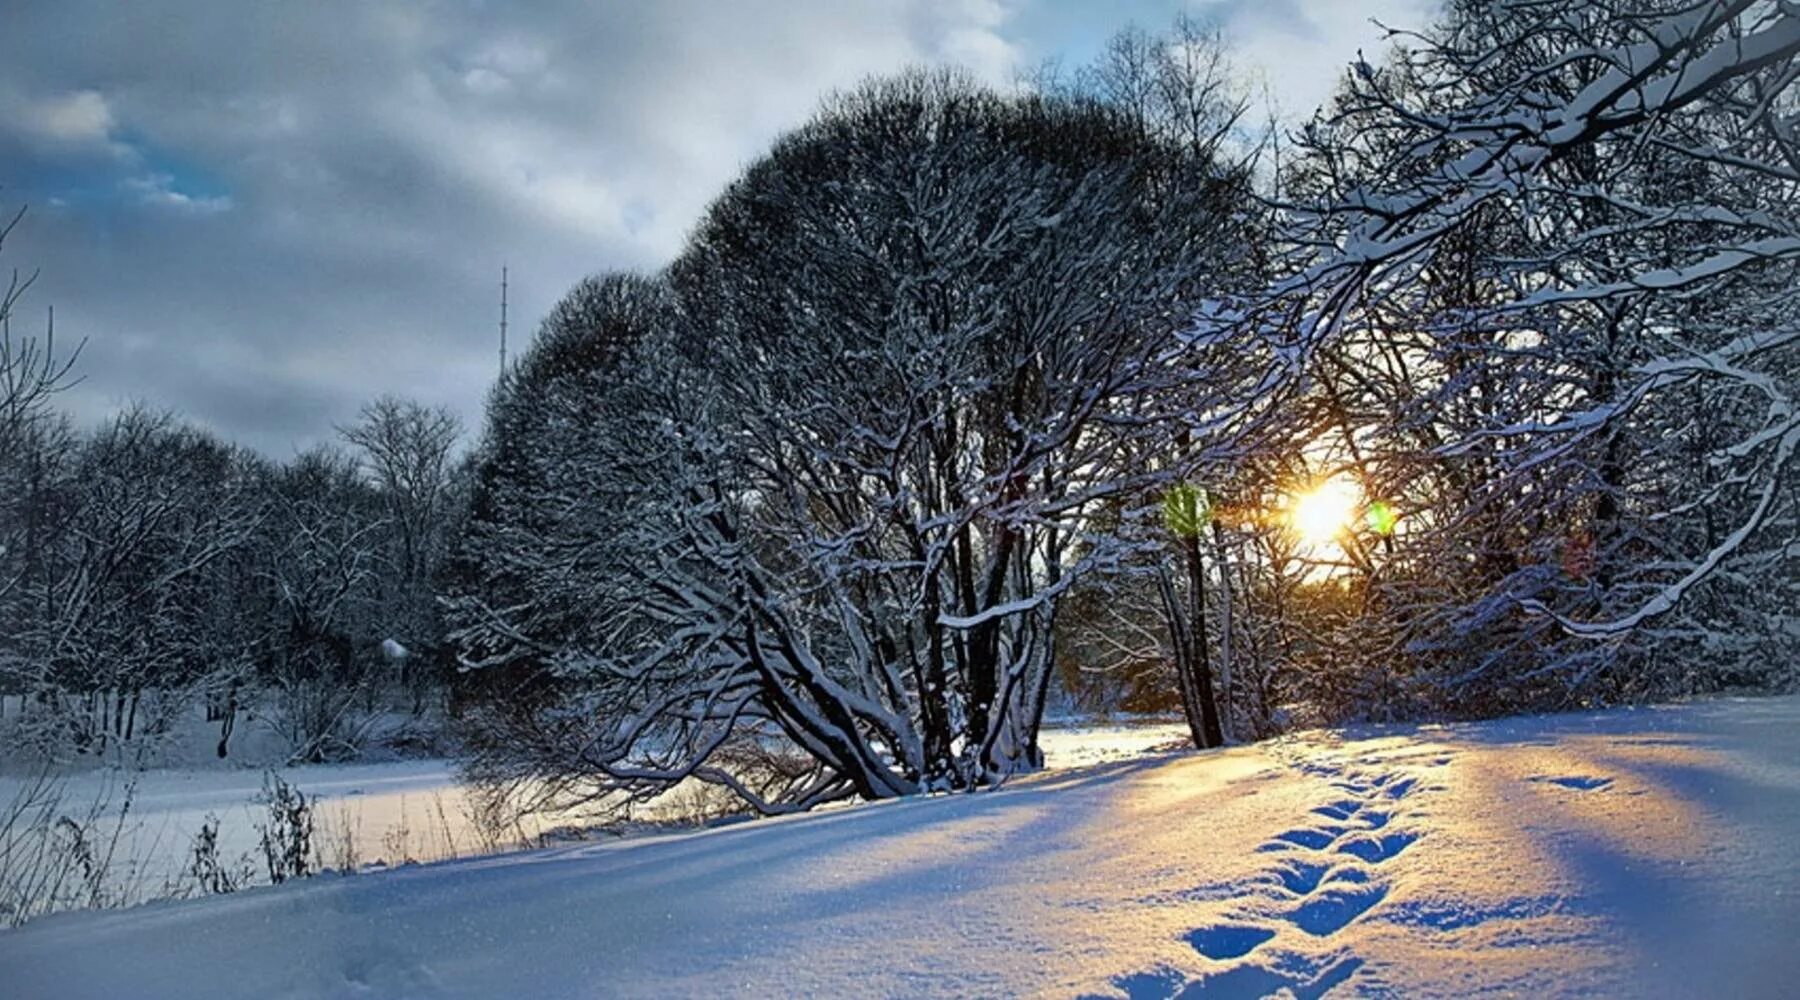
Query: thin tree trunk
point(1225, 615)
point(1184, 680)
point(228, 719)
point(1199, 662)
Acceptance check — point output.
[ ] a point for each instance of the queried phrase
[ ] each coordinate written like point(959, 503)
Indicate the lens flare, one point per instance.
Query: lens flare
point(1186, 510)
point(1322, 513)
point(1381, 518)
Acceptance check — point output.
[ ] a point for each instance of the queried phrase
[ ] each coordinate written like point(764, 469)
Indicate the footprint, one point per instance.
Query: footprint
point(1375, 849)
point(1579, 782)
point(1159, 983)
point(1331, 909)
point(1341, 809)
point(1356, 875)
point(1375, 819)
point(1399, 789)
point(1300, 877)
point(1252, 980)
point(1248, 980)
point(1223, 941)
point(1312, 839)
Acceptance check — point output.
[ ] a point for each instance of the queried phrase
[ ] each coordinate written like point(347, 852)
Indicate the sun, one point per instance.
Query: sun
point(1322, 513)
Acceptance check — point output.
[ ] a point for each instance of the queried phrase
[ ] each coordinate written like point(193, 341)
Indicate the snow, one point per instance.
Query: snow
point(1079, 742)
point(396, 811)
point(1626, 852)
point(389, 811)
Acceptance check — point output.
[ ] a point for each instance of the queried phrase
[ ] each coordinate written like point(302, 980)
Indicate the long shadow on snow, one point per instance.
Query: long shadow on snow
point(670, 865)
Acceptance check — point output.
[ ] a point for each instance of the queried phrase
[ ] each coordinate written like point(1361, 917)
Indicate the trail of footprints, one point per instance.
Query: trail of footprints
point(1315, 863)
point(1327, 873)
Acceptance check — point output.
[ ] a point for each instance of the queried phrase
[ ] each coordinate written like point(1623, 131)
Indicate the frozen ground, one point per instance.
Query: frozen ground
point(1648, 852)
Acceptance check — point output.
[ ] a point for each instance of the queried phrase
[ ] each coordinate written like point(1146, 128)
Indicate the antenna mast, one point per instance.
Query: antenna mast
point(503, 320)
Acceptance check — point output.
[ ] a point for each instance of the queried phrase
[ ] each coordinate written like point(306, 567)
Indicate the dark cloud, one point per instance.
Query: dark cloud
point(262, 213)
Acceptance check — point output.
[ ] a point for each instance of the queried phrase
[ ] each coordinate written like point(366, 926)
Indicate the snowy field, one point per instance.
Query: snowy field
point(387, 812)
point(393, 812)
point(1632, 852)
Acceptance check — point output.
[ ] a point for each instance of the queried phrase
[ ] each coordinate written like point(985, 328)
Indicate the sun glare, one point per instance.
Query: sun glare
point(1320, 514)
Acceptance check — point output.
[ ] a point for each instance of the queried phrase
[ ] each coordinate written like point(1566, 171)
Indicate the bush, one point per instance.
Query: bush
point(287, 837)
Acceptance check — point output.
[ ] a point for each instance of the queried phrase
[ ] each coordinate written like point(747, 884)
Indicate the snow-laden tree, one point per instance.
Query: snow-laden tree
point(1547, 284)
point(832, 502)
point(405, 451)
point(145, 565)
point(1179, 84)
point(541, 565)
point(574, 504)
point(319, 564)
point(924, 312)
point(1197, 597)
point(121, 603)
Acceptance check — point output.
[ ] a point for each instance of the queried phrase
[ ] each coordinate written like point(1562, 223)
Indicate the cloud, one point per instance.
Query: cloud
point(81, 116)
point(158, 190)
point(482, 80)
point(263, 215)
point(73, 122)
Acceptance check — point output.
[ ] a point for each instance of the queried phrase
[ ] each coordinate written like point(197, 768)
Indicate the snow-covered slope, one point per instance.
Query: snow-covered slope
point(1645, 852)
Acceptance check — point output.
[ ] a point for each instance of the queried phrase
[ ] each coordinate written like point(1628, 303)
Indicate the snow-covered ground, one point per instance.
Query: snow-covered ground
point(383, 812)
point(393, 811)
point(1633, 852)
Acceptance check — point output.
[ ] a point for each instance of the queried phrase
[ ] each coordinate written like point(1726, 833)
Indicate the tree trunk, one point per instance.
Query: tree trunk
point(1198, 660)
point(1187, 637)
point(1225, 627)
point(228, 719)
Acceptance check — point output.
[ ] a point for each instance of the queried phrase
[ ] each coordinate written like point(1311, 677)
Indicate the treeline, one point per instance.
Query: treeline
point(1476, 394)
point(956, 392)
point(151, 574)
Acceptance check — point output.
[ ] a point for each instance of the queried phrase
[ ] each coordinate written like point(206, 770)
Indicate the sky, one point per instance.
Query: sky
point(263, 214)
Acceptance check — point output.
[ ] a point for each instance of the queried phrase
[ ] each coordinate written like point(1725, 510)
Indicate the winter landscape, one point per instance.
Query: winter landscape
point(935, 498)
